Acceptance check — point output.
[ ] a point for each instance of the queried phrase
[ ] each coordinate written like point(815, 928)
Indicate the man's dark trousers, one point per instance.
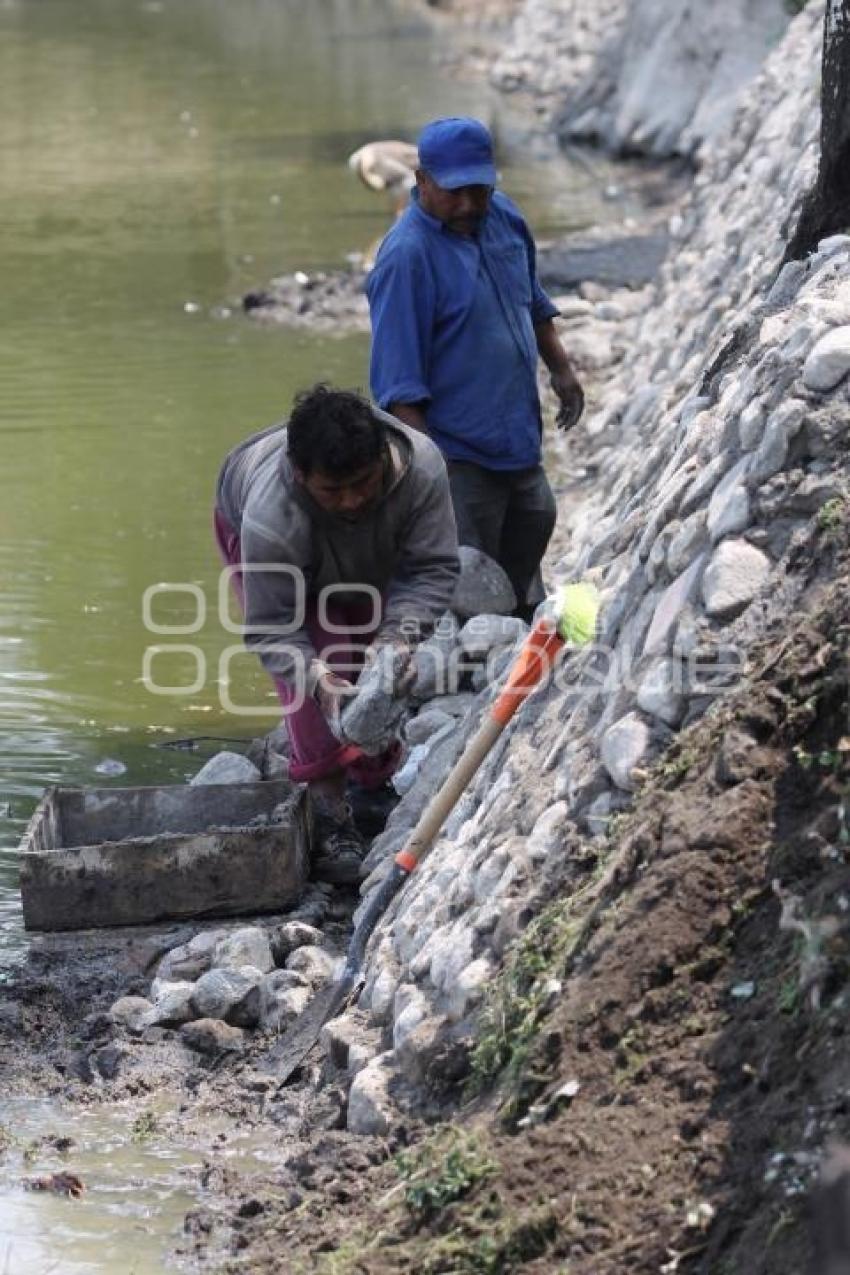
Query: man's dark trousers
point(510, 516)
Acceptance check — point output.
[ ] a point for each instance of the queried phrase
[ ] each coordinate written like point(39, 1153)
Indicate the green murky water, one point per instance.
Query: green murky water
point(158, 158)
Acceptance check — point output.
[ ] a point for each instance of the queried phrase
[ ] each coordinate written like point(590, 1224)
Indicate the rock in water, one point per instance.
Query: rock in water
point(373, 718)
point(109, 766)
point(227, 768)
point(482, 588)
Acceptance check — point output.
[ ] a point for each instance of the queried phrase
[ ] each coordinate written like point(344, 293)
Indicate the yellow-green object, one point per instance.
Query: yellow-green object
point(576, 612)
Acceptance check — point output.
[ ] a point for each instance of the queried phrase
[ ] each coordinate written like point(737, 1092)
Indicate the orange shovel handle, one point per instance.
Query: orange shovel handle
point(536, 657)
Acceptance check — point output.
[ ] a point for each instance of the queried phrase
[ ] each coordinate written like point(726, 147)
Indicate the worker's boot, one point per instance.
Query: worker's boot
point(372, 807)
point(339, 849)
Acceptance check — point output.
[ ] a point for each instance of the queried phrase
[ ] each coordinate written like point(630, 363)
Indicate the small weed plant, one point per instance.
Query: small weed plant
point(439, 1175)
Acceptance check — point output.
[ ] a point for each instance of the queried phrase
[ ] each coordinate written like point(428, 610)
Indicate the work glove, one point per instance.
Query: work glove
point(403, 664)
point(571, 397)
point(330, 691)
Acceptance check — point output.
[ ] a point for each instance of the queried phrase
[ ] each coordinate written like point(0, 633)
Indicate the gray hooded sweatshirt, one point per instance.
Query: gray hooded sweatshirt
point(406, 547)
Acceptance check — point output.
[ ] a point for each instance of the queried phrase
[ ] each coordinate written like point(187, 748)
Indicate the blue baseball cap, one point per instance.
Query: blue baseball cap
point(457, 151)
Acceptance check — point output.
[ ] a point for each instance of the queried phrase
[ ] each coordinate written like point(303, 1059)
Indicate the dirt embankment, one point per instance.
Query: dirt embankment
point(662, 1060)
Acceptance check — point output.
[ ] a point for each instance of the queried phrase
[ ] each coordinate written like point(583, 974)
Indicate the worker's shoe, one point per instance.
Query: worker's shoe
point(339, 849)
point(372, 807)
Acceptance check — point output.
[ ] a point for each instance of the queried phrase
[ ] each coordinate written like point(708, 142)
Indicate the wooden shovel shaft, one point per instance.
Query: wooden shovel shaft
point(533, 662)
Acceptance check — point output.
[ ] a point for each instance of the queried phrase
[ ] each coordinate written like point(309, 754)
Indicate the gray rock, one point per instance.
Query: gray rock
point(452, 953)
point(291, 935)
point(437, 661)
point(107, 1062)
point(625, 748)
point(484, 632)
point(547, 835)
point(410, 1008)
point(282, 999)
point(468, 989)
point(426, 724)
point(598, 814)
point(227, 768)
point(379, 994)
point(247, 946)
point(832, 244)
point(349, 1042)
point(131, 1012)
point(373, 717)
point(617, 261)
point(787, 284)
point(705, 482)
point(729, 507)
point(661, 693)
point(670, 606)
point(829, 362)
point(811, 494)
point(482, 587)
point(211, 1036)
point(686, 543)
point(230, 995)
point(190, 960)
point(370, 1108)
point(751, 425)
point(455, 705)
point(173, 1004)
point(315, 964)
point(433, 769)
point(405, 777)
point(826, 431)
point(11, 1017)
point(772, 452)
point(732, 579)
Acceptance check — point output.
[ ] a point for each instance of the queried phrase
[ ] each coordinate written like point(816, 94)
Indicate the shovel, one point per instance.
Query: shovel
point(575, 622)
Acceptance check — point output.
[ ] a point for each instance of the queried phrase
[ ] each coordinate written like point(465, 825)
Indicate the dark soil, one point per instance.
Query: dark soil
point(666, 1108)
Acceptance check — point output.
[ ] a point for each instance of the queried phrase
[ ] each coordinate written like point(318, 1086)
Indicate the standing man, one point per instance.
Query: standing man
point(458, 322)
point(340, 530)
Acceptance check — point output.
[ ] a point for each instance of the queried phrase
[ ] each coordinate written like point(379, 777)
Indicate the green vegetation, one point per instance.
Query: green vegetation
point(831, 515)
point(521, 996)
point(788, 999)
point(436, 1177)
point(444, 1215)
point(144, 1126)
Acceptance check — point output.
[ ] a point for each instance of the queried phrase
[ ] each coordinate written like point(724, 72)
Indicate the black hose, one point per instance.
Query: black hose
point(377, 906)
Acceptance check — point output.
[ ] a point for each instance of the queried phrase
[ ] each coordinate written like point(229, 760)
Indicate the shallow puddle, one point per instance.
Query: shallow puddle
point(139, 1184)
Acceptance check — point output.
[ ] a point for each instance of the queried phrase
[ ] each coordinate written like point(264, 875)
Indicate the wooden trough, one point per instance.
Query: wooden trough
point(131, 856)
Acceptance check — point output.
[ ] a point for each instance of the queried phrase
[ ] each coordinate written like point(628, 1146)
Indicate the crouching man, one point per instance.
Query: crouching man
point(339, 528)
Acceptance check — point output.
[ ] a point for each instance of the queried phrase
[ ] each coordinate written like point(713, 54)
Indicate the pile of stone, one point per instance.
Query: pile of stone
point(226, 981)
point(332, 301)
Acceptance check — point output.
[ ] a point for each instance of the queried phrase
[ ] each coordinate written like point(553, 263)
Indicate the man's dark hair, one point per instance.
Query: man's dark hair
point(335, 431)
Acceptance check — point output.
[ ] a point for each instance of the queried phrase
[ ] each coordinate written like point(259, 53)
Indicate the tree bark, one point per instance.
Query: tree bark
point(826, 208)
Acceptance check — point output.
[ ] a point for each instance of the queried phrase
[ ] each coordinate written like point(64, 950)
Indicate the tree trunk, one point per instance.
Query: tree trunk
point(826, 208)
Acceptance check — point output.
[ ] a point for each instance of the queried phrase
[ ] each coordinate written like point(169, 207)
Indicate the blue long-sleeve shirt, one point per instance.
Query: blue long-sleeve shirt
point(453, 330)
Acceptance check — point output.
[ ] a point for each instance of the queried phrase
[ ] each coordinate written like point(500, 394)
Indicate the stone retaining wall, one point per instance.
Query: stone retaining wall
point(720, 448)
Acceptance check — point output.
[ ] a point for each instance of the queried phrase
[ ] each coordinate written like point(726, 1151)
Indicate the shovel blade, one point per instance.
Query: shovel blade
point(287, 1053)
